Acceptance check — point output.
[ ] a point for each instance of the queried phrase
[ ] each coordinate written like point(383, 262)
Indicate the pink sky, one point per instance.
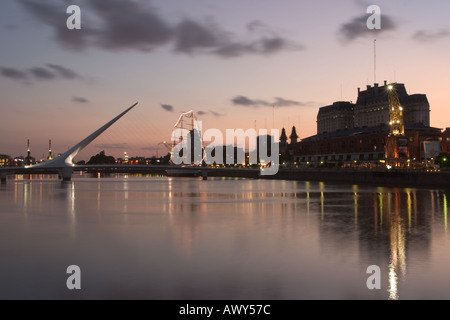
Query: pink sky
point(196, 54)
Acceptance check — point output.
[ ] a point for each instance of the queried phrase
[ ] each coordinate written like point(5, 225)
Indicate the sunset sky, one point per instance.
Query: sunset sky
point(229, 61)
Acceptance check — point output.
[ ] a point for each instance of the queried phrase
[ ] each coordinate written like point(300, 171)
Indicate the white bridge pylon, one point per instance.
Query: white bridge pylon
point(64, 162)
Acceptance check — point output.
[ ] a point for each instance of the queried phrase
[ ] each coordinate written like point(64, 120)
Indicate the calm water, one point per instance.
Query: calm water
point(184, 238)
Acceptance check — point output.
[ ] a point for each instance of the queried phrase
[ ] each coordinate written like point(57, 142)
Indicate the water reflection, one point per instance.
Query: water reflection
point(397, 265)
point(402, 221)
point(445, 212)
point(188, 237)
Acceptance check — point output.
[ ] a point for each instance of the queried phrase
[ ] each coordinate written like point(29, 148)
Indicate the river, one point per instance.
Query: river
point(138, 237)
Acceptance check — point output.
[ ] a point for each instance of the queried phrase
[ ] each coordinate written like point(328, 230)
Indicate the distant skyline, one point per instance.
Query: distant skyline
point(229, 61)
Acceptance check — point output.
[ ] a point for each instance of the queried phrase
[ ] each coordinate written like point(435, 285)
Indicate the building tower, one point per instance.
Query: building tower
point(283, 141)
point(294, 136)
point(50, 156)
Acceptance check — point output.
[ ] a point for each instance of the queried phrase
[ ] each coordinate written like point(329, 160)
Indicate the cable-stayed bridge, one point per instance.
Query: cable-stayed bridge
point(63, 164)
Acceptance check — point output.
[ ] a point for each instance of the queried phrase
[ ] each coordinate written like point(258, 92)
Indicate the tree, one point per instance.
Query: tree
point(443, 160)
point(101, 158)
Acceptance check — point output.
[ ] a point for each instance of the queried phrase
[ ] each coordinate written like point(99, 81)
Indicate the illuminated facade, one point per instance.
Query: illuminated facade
point(361, 146)
point(366, 140)
point(5, 161)
point(372, 109)
point(372, 106)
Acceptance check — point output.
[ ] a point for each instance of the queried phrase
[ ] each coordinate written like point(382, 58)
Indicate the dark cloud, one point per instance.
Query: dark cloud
point(357, 28)
point(129, 25)
point(54, 15)
point(191, 36)
point(112, 146)
point(216, 114)
point(80, 100)
point(263, 46)
point(278, 102)
point(49, 72)
point(64, 72)
point(136, 25)
point(167, 107)
point(14, 74)
point(257, 25)
point(42, 73)
point(427, 36)
point(244, 101)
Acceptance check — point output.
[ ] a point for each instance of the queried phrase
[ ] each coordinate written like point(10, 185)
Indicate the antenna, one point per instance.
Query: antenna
point(50, 154)
point(273, 117)
point(375, 60)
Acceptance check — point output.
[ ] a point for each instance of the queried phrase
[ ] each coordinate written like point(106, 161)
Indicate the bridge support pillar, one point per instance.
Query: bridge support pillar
point(205, 175)
point(3, 178)
point(66, 174)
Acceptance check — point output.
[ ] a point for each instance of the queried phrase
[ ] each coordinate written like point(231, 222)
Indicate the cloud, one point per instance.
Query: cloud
point(167, 107)
point(128, 25)
point(191, 36)
point(64, 72)
point(112, 146)
point(257, 25)
point(150, 148)
point(48, 72)
point(357, 28)
point(216, 114)
point(80, 100)
point(278, 102)
point(427, 36)
point(14, 74)
point(244, 101)
point(119, 25)
point(10, 27)
point(42, 73)
point(51, 14)
point(262, 46)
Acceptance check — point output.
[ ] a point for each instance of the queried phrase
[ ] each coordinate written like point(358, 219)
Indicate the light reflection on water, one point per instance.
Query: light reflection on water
point(184, 238)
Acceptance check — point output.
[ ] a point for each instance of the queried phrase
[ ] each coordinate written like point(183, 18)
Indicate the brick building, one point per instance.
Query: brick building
point(372, 106)
point(5, 161)
point(445, 141)
point(356, 134)
point(339, 116)
point(361, 146)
